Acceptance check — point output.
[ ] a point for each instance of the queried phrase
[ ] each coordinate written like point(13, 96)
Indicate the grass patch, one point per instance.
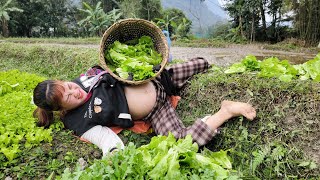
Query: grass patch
point(282, 143)
point(290, 47)
point(89, 40)
point(48, 61)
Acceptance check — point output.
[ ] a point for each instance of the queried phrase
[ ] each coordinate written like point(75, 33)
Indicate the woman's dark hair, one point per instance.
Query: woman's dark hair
point(47, 96)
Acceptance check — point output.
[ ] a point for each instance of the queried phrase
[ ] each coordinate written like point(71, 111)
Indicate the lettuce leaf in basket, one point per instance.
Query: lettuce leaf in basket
point(136, 59)
point(139, 69)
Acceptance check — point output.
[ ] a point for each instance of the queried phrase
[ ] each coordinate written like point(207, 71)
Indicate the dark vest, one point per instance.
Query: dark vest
point(107, 106)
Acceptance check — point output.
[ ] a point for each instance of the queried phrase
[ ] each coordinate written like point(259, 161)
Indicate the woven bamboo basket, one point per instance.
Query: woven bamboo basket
point(129, 29)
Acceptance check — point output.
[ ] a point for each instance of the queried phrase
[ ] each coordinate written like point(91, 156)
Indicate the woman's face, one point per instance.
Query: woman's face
point(73, 96)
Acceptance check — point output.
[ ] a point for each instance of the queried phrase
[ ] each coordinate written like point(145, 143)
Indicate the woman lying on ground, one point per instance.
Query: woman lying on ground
point(89, 105)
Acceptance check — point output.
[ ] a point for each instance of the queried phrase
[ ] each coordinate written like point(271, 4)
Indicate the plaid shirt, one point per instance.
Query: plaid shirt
point(164, 118)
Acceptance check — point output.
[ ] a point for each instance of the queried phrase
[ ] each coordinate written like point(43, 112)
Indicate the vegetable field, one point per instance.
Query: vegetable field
point(282, 143)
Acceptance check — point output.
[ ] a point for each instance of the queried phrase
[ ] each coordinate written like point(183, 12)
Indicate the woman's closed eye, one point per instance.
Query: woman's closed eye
point(69, 94)
point(68, 97)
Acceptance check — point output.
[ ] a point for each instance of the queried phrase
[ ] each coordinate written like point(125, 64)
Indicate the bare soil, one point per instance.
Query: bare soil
point(224, 56)
point(234, 53)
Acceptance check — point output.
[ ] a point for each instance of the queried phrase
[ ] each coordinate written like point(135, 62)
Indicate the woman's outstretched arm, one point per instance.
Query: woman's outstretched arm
point(104, 138)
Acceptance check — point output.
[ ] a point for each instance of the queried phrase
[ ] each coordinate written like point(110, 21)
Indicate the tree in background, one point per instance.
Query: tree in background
point(40, 18)
point(96, 19)
point(275, 11)
point(43, 18)
point(4, 15)
point(107, 5)
point(56, 17)
point(307, 15)
point(224, 31)
point(245, 16)
point(236, 12)
point(250, 18)
point(150, 9)
point(219, 30)
point(262, 7)
point(32, 16)
point(130, 8)
point(183, 28)
point(144, 9)
point(175, 22)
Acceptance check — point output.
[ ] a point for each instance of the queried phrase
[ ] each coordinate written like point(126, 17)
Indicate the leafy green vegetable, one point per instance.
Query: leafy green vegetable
point(312, 69)
point(273, 67)
point(249, 63)
point(236, 68)
point(135, 57)
point(18, 127)
point(162, 158)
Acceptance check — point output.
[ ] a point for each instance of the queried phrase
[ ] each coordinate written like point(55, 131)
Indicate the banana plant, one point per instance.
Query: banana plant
point(164, 23)
point(97, 20)
point(182, 28)
point(4, 16)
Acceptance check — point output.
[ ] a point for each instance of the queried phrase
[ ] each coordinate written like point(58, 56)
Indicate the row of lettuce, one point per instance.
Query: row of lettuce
point(18, 129)
point(274, 68)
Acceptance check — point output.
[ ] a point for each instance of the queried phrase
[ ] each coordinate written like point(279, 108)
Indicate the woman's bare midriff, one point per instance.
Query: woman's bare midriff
point(141, 99)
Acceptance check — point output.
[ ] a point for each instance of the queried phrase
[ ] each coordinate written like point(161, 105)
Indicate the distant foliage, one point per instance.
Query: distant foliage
point(251, 19)
point(5, 8)
point(150, 9)
point(219, 30)
point(41, 18)
point(176, 22)
point(96, 20)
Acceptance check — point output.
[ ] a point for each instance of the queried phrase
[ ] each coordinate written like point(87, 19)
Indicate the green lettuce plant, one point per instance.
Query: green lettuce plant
point(18, 129)
point(274, 68)
point(163, 158)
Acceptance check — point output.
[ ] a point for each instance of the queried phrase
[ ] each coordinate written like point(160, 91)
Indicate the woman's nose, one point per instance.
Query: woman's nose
point(74, 93)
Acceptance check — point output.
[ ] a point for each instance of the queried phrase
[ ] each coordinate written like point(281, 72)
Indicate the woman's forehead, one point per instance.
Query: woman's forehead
point(61, 86)
point(66, 84)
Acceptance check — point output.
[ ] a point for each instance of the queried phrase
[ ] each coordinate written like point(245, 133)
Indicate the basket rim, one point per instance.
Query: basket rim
point(133, 20)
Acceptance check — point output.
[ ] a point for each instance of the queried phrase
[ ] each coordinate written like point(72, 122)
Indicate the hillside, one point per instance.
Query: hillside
point(199, 13)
